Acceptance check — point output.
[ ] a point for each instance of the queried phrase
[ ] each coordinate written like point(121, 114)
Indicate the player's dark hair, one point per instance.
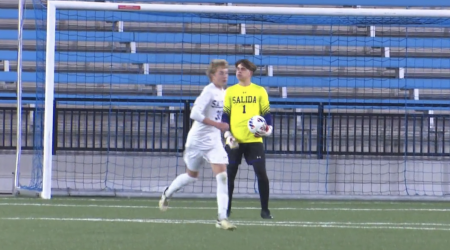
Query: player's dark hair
point(247, 64)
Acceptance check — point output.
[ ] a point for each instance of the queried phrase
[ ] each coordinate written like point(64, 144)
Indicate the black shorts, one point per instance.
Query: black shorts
point(252, 152)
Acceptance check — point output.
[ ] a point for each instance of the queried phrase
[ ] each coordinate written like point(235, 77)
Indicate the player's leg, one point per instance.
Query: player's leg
point(219, 160)
point(222, 197)
point(234, 159)
point(255, 156)
point(193, 159)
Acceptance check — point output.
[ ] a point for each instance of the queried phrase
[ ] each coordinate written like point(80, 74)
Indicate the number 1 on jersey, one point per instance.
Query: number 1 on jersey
point(244, 110)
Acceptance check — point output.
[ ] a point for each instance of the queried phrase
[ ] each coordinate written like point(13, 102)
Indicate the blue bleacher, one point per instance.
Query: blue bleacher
point(190, 80)
point(334, 61)
point(161, 101)
point(74, 60)
point(153, 37)
point(112, 16)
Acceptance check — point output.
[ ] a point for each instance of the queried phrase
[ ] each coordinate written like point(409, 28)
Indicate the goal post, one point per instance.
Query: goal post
point(261, 14)
point(20, 22)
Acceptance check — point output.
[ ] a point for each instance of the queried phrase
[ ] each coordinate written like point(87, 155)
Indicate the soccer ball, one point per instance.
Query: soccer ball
point(255, 123)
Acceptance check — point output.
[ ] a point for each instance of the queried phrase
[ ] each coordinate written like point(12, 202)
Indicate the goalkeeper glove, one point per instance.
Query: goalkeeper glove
point(264, 131)
point(230, 140)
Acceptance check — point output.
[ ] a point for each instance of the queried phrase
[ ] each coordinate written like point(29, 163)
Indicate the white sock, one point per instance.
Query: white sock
point(222, 194)
point(179, 182)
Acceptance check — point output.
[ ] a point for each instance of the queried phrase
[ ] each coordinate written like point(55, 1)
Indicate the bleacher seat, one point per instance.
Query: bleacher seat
point(305, 59)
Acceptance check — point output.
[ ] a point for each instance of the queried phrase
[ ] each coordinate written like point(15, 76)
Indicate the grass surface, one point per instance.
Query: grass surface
point(79, 223)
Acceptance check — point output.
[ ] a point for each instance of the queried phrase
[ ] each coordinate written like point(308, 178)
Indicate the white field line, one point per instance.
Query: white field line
point(236, 208)
point(208, 201)
point(308, 224)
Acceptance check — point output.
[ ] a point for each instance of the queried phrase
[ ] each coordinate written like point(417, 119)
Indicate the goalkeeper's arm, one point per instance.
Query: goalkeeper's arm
point(265, 112)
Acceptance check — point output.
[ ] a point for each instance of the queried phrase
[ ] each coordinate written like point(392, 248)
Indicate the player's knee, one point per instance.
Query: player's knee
point(222, 178)
point(218, 168)
point(192, 174)
point(262, 176)
point(222, 183)
point(231, 177)
point(232, 169)
point(260, 171)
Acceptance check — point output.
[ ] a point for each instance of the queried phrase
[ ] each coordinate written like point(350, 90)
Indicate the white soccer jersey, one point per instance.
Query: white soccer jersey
point(209, 104)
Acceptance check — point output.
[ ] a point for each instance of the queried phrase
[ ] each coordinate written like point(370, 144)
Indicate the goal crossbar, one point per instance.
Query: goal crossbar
point(259, 10)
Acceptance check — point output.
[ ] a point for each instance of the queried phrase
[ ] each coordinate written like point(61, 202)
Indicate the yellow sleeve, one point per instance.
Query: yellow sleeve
point(227, 102)
point(264, 102)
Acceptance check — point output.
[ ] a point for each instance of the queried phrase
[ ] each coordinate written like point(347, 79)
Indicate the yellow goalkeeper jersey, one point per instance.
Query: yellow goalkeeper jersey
point(242, 103)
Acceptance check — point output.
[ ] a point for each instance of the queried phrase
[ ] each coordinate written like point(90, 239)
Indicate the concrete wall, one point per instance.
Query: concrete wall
point(288, 176)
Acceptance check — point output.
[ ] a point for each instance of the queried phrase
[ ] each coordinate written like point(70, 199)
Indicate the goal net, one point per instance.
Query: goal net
point(359, 97)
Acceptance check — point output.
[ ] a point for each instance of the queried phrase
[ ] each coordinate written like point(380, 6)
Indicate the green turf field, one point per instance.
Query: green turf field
point(80, 223)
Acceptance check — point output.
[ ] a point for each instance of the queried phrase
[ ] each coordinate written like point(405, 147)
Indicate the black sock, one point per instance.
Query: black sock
point(231, 172)
point(263, 183)
point(263, 186)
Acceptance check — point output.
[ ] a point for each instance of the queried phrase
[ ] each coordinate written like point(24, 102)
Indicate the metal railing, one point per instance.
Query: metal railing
point(150, 129)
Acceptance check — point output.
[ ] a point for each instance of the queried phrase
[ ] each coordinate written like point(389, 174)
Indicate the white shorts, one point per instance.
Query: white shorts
point(194, 158)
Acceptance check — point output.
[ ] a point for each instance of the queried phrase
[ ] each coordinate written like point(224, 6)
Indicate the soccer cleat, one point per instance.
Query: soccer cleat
point(164, 201)
point(265, 214)
point(225, 224)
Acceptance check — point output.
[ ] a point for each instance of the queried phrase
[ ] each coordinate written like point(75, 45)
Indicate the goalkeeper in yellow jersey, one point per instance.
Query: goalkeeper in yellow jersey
point(243, 101)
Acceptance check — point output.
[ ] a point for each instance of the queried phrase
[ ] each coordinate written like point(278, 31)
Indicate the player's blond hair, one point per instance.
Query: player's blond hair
point(214, 65)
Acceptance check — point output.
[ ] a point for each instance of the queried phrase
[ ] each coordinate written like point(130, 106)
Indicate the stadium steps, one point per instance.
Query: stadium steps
point(224, 28)
point(134, 90)
point(343, 62)
point(154, 37)
point(13, 5)
point(207, 49)
point(193, 74)
point(197, 70)
point(176, 89)
point(309, 34)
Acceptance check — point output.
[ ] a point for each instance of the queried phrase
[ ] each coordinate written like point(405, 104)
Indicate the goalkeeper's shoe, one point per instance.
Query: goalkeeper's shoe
point(265, 214)
point(225, 224)
point(164, 201)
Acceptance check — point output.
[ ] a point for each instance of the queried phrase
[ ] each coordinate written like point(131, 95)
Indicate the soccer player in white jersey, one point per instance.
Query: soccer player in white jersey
point(204, 142)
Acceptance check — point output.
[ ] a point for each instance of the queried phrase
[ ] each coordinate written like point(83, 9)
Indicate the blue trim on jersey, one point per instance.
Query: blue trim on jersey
point(225, 118)
point(268, 118)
